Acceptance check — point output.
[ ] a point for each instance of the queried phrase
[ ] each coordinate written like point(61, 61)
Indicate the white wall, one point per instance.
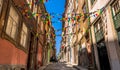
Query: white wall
point(97, 5)
point(111, 46)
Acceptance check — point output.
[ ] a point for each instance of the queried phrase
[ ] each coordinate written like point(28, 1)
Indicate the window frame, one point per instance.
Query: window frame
point(84, 9)
point(35, 10)
point(24, 35)
point(116, 4)
point(14, 23)
point(115, 14)
point(77, 4)
point(98, 30)
point(92, 2)
point(1, 5)
point(29, 2)
point(115, 18)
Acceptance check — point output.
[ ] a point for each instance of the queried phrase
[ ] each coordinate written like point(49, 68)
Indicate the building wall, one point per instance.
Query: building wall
point(83, 37)
point(113, 56)
point(11, 55)
point(39, 55)
point(36, 51)
point(90, 44)
point(15, 54)
point(109, 34)
point(98, 4)
point(69, 31)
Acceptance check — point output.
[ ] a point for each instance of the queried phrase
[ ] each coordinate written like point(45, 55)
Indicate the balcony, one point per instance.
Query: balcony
point(117, 20)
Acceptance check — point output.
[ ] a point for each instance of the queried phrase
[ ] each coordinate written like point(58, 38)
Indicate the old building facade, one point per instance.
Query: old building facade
point(67, 51)
point(23, 36)
point(105, 36)
point(80, 53)
point(96, 40)
point(14, 36)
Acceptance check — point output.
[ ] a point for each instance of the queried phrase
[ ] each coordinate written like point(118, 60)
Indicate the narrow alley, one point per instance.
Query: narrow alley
point(58, 66)
point(59, 34)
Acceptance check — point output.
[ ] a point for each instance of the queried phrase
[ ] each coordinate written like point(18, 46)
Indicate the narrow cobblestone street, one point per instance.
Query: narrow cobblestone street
point(59, 34)
point(59, 66)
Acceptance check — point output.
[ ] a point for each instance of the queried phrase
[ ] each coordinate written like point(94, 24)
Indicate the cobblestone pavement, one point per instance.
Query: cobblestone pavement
point(59, 66)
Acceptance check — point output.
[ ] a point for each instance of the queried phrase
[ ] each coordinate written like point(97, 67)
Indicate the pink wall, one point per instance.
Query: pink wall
point(9, 54)
point(39, 55)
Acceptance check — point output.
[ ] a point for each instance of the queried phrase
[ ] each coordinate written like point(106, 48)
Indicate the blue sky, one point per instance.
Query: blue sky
point(57, 7)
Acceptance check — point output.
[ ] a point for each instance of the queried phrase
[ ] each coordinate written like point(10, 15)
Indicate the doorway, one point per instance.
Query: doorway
point(103, 56)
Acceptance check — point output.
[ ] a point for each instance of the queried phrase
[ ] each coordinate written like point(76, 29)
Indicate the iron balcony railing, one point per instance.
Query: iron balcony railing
point(117, 20)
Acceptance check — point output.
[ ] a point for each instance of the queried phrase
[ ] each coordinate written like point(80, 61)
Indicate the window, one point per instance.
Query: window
point(74, 28)
point(116, 7)
point(116, 16)
point(1, 3)
point(12, 24)
point(84, 8)
point(116, 13)
point(24, 35)
point(35, 10)
point(103, 16)
point(29, 2)
point(76, 4)
point(92, 2)
point(99, 30)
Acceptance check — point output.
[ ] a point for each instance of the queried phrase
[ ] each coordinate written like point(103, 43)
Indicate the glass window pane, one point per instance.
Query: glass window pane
point(24, 28)
point(35, 10)
point(116, 13)
point(99, 30)
point(92, 1)
point(24, 35)
point(116, 8)
point(84, 9)
point(12, 24)
point(95, 30)
point(13, 32)
point(21, 38)
point(1, 3)
point(9, 26)
point(29, 2)
point(25, 38)
point(76, 3)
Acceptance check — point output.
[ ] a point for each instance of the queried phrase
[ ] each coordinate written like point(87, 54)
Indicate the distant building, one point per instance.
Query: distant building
point(77, 44)
point(66, 47)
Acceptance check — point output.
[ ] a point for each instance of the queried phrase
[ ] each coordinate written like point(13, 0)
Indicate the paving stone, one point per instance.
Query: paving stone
point(58, 66)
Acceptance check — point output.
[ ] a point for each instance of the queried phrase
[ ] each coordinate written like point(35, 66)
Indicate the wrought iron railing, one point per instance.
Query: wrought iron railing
point(117, 20)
